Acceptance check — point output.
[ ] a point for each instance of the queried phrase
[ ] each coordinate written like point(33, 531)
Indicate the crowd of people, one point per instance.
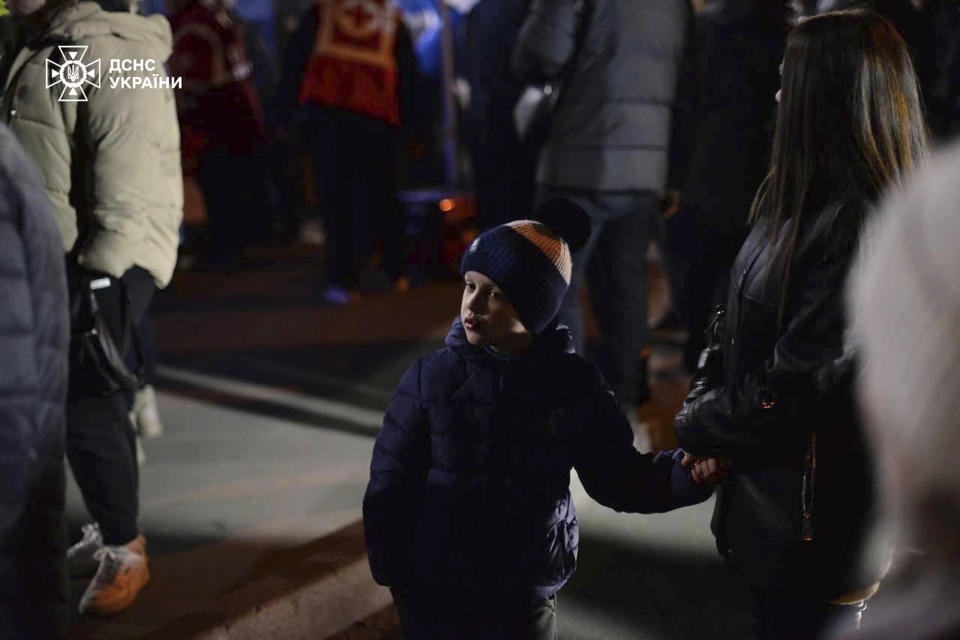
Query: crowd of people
point(777, 152)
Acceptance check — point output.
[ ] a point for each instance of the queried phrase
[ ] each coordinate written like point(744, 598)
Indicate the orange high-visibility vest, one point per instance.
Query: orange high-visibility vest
point(353, 66)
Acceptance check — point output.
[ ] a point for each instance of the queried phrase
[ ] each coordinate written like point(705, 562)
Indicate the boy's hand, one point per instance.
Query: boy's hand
point(705, 470)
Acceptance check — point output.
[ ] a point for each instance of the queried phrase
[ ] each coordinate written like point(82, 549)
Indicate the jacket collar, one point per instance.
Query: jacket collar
point(554, 340)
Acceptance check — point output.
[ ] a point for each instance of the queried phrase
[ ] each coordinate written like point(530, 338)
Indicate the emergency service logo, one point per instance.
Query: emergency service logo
point(73, 74)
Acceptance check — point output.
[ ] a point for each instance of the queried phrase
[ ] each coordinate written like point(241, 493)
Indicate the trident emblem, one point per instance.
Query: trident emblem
point(73, 74)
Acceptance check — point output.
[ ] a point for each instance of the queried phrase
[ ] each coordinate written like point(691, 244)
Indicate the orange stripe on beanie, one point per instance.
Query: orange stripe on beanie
point(552, 245)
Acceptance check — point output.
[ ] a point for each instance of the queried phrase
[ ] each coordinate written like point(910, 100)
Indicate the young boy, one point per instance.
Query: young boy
point(468, 515)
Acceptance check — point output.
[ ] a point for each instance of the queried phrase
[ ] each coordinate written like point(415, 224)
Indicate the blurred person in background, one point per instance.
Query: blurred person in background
point(503, 167)
point(904, 303)
point(618, 141)
point(793, 516)
point(34, 335)
point(348, 72)
point(739, 49)
point(223, 130)
point(110, 166)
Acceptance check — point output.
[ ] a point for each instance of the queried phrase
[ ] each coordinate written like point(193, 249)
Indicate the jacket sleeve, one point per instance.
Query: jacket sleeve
point(546, 41)
point(769, 409)
point(618, 476)
point(132, 157)
point(397, 476)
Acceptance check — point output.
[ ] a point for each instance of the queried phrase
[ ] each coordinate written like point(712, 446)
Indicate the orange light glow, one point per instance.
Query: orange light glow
point(447, 205)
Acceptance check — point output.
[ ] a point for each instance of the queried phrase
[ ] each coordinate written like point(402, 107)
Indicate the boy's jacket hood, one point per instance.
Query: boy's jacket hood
point(555, 339)
point(86, 20)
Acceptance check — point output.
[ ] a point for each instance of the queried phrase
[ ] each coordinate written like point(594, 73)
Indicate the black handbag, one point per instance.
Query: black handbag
point(97, 364)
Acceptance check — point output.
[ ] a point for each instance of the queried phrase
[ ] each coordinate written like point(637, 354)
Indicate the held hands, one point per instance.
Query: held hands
point(705, 470)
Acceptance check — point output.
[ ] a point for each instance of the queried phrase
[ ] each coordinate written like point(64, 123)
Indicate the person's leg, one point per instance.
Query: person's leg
point(367, 189)
point(100, 443)
point(618, 292)
point(101, 450)
point(391, 220)
point(218, 180)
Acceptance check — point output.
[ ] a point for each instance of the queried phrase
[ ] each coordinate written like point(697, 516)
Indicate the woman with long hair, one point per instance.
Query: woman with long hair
point(796, 506)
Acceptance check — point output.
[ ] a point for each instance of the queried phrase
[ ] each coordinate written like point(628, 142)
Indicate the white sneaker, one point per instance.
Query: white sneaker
point(145, 413)
point(123, 572)
point(81, 557)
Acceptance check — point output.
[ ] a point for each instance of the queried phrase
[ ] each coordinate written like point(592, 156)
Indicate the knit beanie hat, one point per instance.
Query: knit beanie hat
point(530, 260)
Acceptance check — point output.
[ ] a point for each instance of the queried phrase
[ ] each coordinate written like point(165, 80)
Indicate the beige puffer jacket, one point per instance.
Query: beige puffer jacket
point(121, 146)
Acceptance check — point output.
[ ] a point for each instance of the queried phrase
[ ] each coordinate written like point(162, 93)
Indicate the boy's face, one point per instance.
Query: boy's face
point(488, 317)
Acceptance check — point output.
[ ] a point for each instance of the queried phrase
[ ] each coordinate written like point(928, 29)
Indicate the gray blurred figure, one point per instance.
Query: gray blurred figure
point(904, 301)
point(617, 147)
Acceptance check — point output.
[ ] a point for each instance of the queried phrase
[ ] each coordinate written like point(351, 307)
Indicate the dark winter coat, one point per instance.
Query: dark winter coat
point(779, 385)
point(469, 483)
point(33, 374)
point(612, 127)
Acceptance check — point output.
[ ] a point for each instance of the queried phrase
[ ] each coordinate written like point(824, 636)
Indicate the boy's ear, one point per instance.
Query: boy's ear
point(567, 219)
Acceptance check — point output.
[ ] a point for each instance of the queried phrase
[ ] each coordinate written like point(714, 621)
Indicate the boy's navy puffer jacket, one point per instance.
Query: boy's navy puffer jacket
point(469, 483)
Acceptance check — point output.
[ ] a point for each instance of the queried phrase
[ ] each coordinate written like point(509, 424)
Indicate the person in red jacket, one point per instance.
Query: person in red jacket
point(222, 123)
point(349, 66)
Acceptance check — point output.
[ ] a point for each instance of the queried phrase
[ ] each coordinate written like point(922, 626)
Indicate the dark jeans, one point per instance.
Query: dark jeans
point(100, 441)
point(434, 618)
point(614, 265)
point(784, 617)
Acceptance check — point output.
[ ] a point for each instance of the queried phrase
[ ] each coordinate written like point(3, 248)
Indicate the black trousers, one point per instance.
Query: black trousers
point(100, 441)
point(433, 618)
point(614, 265)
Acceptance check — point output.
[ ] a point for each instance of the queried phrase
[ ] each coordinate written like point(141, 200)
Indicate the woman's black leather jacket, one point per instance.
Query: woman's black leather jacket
point(783, 378)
